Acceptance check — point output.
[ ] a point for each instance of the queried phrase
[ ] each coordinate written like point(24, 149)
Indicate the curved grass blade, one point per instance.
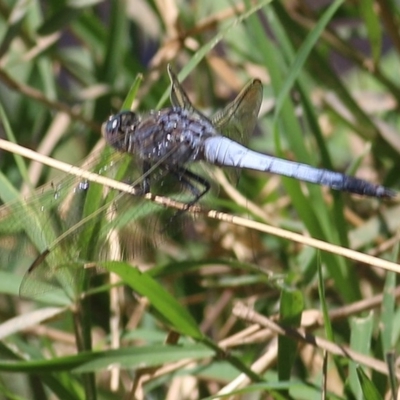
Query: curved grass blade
point(165, 303)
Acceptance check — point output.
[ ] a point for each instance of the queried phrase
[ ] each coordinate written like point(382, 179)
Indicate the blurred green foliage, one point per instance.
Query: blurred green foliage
point(331, 99)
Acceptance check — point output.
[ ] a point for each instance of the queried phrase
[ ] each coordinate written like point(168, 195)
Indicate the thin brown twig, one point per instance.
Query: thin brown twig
point(248, 314)
point(390, 20)
point(354, 308)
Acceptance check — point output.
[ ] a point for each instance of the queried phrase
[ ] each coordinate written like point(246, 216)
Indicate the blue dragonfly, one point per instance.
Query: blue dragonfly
point(164, 146)
point(175, 137)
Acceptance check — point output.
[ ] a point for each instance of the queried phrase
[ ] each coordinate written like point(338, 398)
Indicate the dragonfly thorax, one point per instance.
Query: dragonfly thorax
point(172, 136)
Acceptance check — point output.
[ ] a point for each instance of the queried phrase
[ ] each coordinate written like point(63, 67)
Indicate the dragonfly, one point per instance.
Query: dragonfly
point(164, 145)
point(175, 137)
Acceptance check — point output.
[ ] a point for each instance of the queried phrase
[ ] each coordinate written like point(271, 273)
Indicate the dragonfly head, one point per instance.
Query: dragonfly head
point(117, 129)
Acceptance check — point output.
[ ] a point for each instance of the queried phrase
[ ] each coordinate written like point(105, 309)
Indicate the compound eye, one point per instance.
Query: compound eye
point(113, 124)
point(111, 130)
point(117, 126)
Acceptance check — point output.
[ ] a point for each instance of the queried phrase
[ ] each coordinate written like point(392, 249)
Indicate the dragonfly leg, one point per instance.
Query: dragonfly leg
point(186, 178)
point(145, 185)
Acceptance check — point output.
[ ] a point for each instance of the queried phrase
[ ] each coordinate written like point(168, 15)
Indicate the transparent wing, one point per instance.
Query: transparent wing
point(56, 228)
point(178, 96)
point(76, 224)
point(30, 227)
point(238, 119)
